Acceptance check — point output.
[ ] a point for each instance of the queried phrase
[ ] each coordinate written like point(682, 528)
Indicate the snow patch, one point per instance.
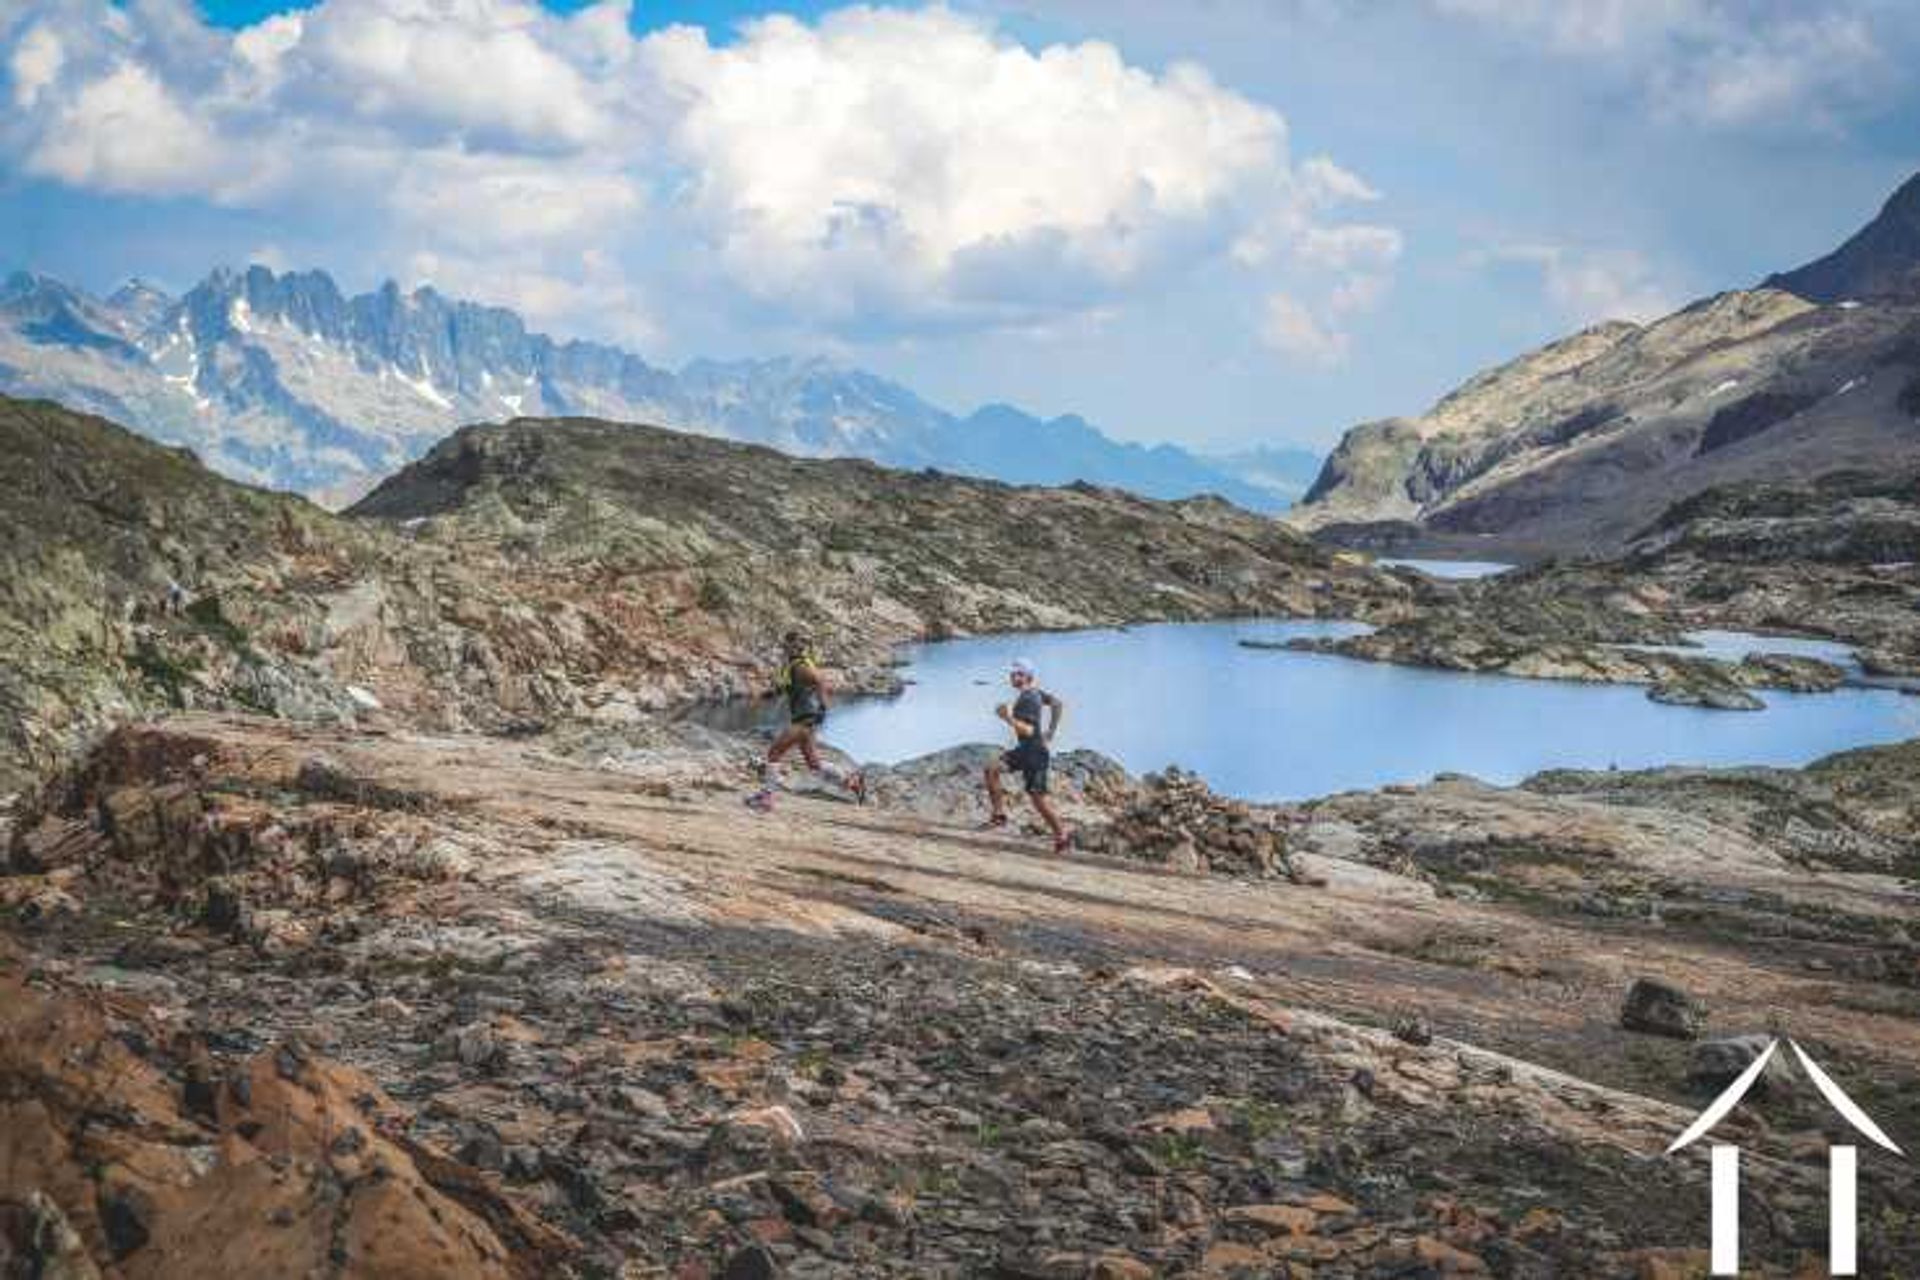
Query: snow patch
point(419, 386)
point(1725, 387)
point(513, 402)
point(1849, 385)
point(364, 697)
point(240, 316)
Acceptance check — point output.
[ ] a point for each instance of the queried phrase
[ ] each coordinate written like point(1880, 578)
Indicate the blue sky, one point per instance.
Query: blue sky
point(1230, 223)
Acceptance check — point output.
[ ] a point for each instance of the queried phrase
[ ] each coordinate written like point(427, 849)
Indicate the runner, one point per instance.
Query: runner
point(805, 685)
point(1031, 754)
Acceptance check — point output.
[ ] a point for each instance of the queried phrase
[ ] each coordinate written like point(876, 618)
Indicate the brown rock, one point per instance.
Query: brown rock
point(1446, 1259)
point(425, 1215)
point(1227, 1259)
point(1275, 1219)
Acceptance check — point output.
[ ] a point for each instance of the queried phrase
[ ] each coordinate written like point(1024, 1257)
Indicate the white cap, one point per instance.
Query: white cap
point(1021, 667)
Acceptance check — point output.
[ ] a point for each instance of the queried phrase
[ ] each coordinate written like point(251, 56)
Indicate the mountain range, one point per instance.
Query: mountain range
point(280, 379)
point(1575, 448)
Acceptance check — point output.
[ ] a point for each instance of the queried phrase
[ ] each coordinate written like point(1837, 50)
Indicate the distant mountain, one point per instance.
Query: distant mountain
point(1283, 470)
point(1882, 260)
point(1575, 447)
point(282, 380)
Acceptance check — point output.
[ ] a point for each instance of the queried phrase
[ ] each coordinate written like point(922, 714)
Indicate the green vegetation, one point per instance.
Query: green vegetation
point(1179, 1150)
point(207, 614)
point(167, 673)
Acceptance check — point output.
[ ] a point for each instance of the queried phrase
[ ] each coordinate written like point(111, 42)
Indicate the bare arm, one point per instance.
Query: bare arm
point(1056, 712)
point(821, 686)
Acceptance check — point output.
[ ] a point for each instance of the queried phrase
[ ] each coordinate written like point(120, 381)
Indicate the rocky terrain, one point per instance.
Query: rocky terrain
point(280, 379)
point(1834, 558)
point(393, 933)
point(588, 1018)
point(1574, 448)
point(549, 573)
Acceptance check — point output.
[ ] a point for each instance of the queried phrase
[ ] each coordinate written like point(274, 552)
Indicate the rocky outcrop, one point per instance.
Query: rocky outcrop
point(1879, 260)
point(131, 1147)
point(1176, 821)
point(559, 573)
point(663, 1035)
point(947, 786)
point(1659, 1009)
point(1574, 448)
point(1484, 637)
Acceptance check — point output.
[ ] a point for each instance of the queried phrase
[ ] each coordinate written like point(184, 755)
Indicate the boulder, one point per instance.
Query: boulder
point(1718, 1063)
point(1657, 1009)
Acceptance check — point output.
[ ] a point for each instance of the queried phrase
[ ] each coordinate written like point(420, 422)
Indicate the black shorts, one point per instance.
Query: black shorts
point(1032, 763)
point(813, 719)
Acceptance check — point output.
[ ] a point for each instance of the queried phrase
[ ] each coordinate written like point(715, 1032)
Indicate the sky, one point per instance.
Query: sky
point(1223, 223)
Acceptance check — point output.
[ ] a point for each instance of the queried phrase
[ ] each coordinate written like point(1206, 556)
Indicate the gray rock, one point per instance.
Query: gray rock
point(1718, 1063)
point(126, 1219)
point(1658, 1009)
point(755, 1262)
point(1709, 695)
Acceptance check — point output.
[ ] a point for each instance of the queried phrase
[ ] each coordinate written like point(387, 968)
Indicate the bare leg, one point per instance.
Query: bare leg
point(996, 798)
point(791, 736)
point(770, 767)
point(1044, 807)
point(810, 749)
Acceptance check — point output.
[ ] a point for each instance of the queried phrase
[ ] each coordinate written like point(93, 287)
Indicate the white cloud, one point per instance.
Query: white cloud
point(1342, 248)
point(485, 68)
point(880, 170)
point(1587, 286)
point(1812, 71)
point(549, 294)
point(455, 198)
point(125, 132)
point(35, 64)
point(1291, 329)
point(1586, 26)
point(1716, 63)
point(899, 158)
point(1327, 183)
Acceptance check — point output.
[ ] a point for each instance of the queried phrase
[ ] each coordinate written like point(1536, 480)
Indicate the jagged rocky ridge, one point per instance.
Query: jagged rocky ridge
point(283, 380)
point(543, 572)
point(1574, 448)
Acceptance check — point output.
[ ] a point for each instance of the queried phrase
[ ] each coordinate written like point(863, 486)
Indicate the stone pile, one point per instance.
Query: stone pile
point(1178, 821)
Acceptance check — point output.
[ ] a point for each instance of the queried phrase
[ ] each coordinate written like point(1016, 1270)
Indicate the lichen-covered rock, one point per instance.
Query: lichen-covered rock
point(1177, 821)
point(549, 573)
point(1660, 1009)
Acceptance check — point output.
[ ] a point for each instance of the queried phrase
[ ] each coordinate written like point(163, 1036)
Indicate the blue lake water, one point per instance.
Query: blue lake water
point(1449, 568)
point(1272, 725)
point(1732, 646)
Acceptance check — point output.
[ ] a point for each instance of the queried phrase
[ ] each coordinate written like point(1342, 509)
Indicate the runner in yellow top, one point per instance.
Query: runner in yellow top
point(805, 686)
